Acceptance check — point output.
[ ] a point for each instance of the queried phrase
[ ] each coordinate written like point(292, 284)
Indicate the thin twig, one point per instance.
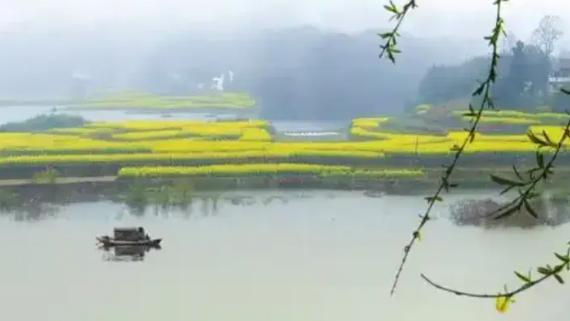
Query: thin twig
point(509, 294)
point(484, 90)
point(391, 38)
point(547, 272)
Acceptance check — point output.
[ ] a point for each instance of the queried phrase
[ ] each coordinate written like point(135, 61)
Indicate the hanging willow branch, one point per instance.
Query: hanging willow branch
point(527, 185)
point(390, 46)
point(483, 91)
point(526, 192)
point(546, 272)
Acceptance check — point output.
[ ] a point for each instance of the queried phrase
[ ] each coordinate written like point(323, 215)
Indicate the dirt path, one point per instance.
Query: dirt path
point(61, 180)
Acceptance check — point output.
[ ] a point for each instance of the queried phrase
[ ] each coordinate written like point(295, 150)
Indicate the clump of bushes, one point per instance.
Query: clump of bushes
point(49, 176)
point(8, 200)
point(44, 122)
point(476, 213)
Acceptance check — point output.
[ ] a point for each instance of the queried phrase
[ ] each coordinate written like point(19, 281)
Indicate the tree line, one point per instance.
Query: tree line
point(523, 73)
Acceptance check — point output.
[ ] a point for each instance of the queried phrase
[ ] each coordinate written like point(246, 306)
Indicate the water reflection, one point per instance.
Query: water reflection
point(240, 200)
point(181, 199)
point(553, 211)
point(268, 200)
point(127, 253)
point(37, 202)
point(162, 198)
point(36, 212)
point(31, 211)
point(21, 113)
point(165, 202)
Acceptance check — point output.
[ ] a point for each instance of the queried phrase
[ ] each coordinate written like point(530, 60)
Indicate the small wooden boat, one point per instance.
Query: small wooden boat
point(134, 236)
point(110, 242)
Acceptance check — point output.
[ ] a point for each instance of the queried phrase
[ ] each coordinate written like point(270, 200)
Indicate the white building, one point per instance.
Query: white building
point(560, 75)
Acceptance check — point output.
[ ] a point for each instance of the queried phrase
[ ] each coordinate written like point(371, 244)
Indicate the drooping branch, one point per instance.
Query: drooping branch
point(483, 91)
point(542, 171)
point(390, 46)
point(545, 272)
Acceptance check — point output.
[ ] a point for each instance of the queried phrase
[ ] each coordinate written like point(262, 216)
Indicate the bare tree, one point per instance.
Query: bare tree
point(547, 33)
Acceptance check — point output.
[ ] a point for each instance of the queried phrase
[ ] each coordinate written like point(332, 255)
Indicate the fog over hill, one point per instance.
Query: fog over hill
point(294, 73)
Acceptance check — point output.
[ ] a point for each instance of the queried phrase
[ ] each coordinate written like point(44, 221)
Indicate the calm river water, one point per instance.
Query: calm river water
point(274, 255)
point(21, 113)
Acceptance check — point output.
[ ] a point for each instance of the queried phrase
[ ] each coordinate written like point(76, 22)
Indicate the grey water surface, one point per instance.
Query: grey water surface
point(272, 255)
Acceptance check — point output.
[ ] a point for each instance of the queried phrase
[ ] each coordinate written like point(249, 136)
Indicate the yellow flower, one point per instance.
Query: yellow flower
point(503, 303)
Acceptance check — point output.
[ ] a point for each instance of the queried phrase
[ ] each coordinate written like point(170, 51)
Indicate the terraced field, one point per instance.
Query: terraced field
point(148, 101)
point(190, 148)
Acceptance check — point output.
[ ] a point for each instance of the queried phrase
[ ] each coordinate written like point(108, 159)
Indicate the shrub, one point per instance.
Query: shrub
point(44, 122)
point(49, 176)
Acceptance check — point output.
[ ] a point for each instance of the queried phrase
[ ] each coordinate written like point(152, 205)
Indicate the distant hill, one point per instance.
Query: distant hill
point(301, 73)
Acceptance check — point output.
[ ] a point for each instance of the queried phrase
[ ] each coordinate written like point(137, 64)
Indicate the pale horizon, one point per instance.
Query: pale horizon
point(471, 19)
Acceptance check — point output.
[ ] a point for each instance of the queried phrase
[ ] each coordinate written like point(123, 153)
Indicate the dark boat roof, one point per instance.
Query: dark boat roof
point(127, 229)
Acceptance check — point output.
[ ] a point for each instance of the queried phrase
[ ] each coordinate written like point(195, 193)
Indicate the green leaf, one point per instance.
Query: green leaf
point(434, 199)
point(392, 8)
point(544, 271)
point(535, 139)
point(517, 172)
point(522, 277)
point(507, 212)
point(564, 259)
point(559, 278)
point(479, 90)
point(540, 159)
point(547, 138)
point(506, 190)
point(529, 209)
point(505, 181)
point(532, 195)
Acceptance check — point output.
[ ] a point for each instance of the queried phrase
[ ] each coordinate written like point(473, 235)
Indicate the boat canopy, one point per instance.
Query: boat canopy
point(129, 233)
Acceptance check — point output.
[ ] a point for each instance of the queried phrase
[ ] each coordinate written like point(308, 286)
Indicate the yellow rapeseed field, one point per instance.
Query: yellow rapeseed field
point(372, 122)
point(189, 142)
point(517, 117)
point(15, 143)
point(263, 169)
point(179, 158)
point(256, 134)
point(160, 130)
point(151, 135)
point(506, 120)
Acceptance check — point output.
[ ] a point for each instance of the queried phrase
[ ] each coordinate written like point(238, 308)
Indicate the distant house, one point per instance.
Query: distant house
point(560, 75)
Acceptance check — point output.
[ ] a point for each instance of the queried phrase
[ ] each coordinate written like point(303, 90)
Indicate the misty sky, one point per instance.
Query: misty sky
point(470, 18)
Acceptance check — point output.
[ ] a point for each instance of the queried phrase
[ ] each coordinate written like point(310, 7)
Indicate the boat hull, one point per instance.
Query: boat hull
point(108, 242)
